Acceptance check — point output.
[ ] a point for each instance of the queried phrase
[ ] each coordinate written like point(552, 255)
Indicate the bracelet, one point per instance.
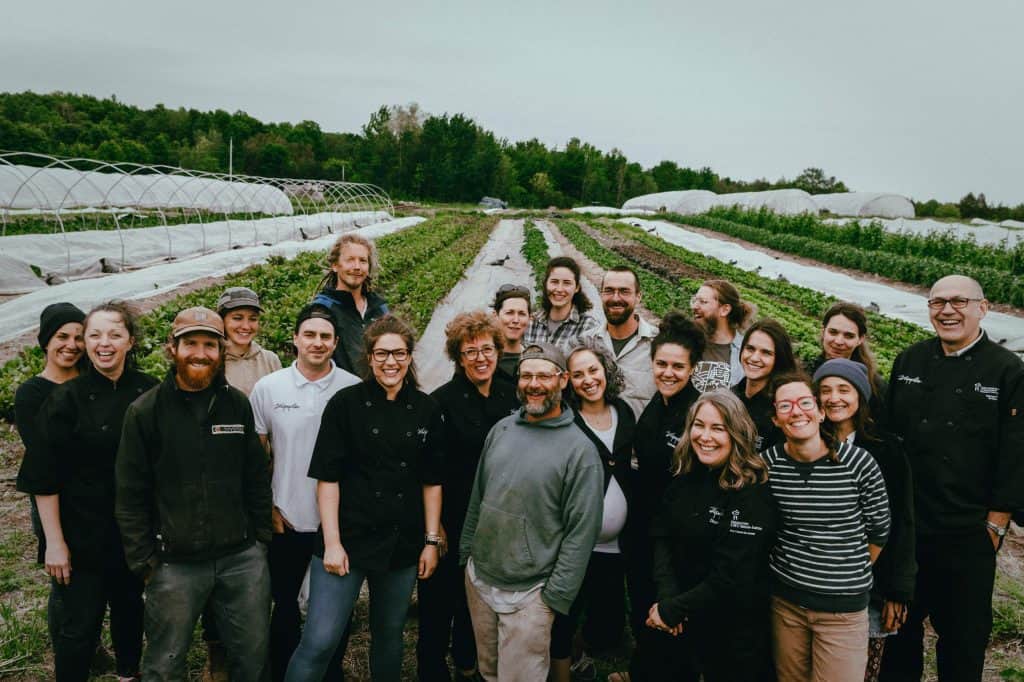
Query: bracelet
point(996, 528)
point(431, 539)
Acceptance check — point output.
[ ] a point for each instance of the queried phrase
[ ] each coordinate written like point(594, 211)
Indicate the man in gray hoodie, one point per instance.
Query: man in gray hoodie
point(533, 519)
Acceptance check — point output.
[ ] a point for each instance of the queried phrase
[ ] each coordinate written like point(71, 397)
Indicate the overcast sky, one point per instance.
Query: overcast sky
point(920, 98)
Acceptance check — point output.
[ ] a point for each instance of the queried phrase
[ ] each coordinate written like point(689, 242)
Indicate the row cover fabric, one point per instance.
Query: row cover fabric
point(865, 204)
point(891, 301)
point(609, 210)
point(20, 315)
point(696, 201)
point(982, 233)
point(69, 255)
point(29, 187)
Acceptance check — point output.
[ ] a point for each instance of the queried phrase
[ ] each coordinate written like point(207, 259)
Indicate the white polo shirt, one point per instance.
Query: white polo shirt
point(288, 407)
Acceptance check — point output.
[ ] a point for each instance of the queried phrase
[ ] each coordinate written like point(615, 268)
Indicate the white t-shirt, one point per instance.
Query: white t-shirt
point(614, 517)
point(288, 407)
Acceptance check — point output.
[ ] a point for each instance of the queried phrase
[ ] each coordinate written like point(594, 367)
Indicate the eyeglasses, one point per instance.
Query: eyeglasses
point(958, 302)
point(786, 406)
point(474, 353)
point(696, 300)
point(517, 288)
point(399, 354)
point(623, 292)
point(542, 377)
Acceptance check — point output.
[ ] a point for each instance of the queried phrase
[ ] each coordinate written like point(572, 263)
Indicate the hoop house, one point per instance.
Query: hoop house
point(864, 204)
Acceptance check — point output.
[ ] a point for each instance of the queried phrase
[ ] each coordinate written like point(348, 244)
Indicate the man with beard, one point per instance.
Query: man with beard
point(526, 554)
point(194, 506)
point(717, 308)
point(628, 335)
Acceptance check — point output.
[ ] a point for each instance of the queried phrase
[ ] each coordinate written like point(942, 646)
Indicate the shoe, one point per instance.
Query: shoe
point(216, 668)
point(584, 669)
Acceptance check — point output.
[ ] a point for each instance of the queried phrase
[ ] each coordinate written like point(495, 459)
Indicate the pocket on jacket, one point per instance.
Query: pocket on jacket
point(502, 545)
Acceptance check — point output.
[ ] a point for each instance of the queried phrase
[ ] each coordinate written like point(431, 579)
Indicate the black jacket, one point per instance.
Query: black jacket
point(190, 489)
point(350, 325)
point(711, 567)
point(616, 463)
point(77, 434)
point(468, 418)
point(381, 453)
point(961, 420)
point(761, 411)
point(895, 570)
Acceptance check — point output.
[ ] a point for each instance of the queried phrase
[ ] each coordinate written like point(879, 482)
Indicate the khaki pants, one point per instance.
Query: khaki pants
point(511, 647)
point(817, 646)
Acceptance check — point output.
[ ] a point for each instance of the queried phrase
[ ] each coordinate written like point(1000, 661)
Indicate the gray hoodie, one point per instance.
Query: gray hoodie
point(535, 511)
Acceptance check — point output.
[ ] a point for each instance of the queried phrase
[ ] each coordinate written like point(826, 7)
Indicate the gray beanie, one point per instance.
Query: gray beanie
point(851, 370)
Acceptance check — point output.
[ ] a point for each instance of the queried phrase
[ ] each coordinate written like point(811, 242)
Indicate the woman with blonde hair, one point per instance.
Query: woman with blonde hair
point(712, 537)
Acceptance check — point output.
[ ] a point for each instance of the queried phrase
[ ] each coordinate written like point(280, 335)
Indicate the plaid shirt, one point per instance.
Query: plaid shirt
point(574, 327)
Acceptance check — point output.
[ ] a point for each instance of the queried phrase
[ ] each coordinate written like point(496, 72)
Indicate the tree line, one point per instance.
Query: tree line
point(411, 154)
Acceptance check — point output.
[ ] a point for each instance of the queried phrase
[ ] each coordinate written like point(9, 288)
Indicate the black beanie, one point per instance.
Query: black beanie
point(55, 316)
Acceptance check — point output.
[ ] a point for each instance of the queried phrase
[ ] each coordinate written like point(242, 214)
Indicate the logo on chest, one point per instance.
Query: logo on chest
point(904, 379)
point(671, 439)
point(227, 429)
point(286, 406)
point(714, 515)
point(990, 392)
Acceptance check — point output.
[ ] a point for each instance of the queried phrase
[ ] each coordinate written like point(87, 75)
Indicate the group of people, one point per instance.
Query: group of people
point(749, 519)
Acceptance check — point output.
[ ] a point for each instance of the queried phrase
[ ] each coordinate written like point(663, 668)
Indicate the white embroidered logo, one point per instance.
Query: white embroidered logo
point(990, 392)
point(908, 380)
point(671, 439)
point(422, 433)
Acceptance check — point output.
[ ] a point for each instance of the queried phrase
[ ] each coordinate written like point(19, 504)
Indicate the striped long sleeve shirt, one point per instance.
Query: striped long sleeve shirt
point(829, 512)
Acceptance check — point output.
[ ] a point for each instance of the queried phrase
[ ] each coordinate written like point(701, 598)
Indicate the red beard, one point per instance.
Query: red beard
point(196, 379)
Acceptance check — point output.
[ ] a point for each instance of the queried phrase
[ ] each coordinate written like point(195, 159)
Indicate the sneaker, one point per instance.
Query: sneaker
point(584, 669)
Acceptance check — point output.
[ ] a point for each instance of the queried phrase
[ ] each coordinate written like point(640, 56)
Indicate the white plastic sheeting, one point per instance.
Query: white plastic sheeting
point(983, 233)
point(21, 314)
point(28, 187)
point(692, 202)
point(609, 210)
point(76, 254)
point(865, 204)
point(890, 301)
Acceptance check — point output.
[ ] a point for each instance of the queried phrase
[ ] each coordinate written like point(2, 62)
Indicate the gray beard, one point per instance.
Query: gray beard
point(537, 410)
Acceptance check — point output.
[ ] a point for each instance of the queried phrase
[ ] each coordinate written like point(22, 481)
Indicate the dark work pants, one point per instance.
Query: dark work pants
point(955, 576)
point(650, 645)
point(289, 557)
point(75, 616)
point(602, 597)
point(443, 612)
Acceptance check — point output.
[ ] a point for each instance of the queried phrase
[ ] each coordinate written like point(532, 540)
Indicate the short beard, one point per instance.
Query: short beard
point(196, 380)
point(625, 316)
point(708, 324)
point(552, 399)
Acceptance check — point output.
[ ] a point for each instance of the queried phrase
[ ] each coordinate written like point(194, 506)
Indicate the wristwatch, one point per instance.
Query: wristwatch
point(996, 528)
point(430, 539)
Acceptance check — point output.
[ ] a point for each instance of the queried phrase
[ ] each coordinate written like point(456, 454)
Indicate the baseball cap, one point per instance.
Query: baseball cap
point(197, 319)
point(238, 297)
point(544, 351)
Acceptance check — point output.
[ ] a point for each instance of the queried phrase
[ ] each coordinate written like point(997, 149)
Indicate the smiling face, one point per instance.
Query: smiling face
point(758, 356)
point(560, 287)
point(478, 358)
point(709, 437)
point(388, 370)
point(798, 423)
point(840, 337)
point(241, 325)
point(839, 399)
point(314, 343)
point(586, 373)
point(540, 388)
point(707, 311)
point(957, 329)
point(66, 346)
point(619, 296)
point(107, 342)
point(352, 267)
point(197, 360)
point(672, 369)
point(514, 318)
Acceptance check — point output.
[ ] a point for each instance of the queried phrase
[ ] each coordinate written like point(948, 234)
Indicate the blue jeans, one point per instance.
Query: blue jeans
point(237, 586)
point(331, 600)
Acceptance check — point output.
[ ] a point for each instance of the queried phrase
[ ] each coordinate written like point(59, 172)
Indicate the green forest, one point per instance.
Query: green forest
point(410, 153)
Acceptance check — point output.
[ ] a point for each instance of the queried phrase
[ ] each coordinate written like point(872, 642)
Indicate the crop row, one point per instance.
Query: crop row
point(535, 251)
point(1000, 285)
point(872, 236)
point(419, 265)
point(799, 309)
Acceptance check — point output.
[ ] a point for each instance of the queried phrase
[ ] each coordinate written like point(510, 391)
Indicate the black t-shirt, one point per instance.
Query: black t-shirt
point(619, 344)
point(381, 453)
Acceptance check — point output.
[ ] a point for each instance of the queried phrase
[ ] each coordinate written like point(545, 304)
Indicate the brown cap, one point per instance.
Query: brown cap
point(197, 319)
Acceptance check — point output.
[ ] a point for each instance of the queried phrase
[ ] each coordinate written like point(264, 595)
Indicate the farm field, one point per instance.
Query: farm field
point(428, 272)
